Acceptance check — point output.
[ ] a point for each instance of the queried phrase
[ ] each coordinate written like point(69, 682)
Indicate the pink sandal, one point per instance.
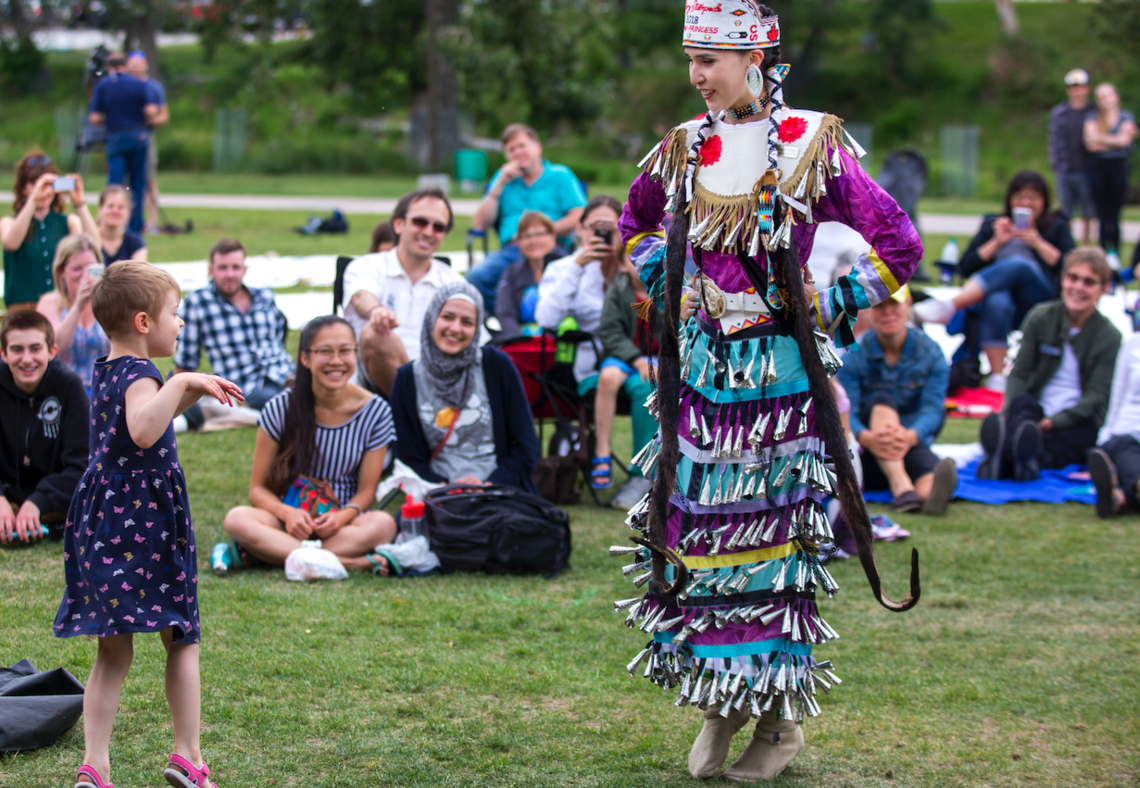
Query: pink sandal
point(87, 777)
point(183, 774)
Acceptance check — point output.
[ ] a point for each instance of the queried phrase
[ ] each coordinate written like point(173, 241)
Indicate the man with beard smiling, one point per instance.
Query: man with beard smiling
point(389, 291)
point(43, 429)
point(241, 330)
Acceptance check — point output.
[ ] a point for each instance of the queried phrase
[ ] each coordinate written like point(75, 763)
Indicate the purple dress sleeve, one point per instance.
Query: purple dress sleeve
point(857, 201)
point(642, 231)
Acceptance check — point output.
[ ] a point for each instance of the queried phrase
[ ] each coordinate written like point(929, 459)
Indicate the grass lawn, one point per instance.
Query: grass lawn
point(1017, 668)
point(271, 231)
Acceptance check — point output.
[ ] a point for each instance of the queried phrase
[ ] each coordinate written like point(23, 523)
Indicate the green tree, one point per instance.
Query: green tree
point(545, 63)
point(377, 48)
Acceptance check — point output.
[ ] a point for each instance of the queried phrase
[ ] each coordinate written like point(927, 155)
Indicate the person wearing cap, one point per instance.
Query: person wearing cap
point(1067, 155)
point(897, 388)
point(137, 65)
point(740, 467)
point(127, 106)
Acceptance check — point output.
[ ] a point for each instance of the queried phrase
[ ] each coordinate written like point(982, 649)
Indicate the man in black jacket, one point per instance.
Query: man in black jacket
point(43, 429)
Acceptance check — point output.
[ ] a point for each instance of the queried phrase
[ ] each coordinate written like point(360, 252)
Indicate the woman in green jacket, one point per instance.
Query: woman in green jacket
point(1059, 388)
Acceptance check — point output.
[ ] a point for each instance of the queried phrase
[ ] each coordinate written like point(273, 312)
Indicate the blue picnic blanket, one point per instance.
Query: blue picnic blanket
point(1051, 487)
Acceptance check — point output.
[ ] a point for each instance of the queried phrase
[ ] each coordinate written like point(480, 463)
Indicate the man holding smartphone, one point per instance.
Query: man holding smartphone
point(127, 106)
point(525, 183)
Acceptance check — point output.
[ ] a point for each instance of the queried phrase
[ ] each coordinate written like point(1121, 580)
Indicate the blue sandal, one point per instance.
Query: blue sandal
point(597, 473)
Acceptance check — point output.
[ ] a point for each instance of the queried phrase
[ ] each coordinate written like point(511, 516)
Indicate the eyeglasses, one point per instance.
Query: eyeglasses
point(327, 354)
point(1087, 281)
point(420, 223)
point(38, 161)
point(535, 234)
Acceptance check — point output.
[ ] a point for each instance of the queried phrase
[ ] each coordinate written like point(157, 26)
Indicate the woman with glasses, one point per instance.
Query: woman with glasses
point(461, 414)
point(517, 293)
point(317, 461)
point(38, 223)
point(1058, 390)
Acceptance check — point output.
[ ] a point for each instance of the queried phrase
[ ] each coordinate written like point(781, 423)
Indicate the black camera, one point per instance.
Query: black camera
point(97, 65)
point(607, 236)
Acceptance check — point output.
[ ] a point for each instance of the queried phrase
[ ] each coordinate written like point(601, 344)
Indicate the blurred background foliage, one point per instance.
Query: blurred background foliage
point(601, 79)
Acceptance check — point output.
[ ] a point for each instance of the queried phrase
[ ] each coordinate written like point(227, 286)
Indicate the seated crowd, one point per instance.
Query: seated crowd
point(417, 372)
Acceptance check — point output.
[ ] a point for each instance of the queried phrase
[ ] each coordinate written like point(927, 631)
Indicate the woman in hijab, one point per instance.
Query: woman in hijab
point(461, 414)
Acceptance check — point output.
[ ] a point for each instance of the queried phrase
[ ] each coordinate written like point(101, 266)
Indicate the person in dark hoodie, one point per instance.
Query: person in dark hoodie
point(43, 429)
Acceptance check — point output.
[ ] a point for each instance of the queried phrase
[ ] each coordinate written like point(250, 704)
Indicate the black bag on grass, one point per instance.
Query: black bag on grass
point(36, 708)
point(500, 530)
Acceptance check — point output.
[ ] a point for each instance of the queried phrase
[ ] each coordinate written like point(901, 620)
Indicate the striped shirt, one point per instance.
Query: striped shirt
point(341, 448)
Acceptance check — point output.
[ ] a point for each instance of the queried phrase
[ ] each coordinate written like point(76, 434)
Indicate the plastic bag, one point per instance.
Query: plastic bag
point(409, 554)
point(407, 481)
point(311, 562)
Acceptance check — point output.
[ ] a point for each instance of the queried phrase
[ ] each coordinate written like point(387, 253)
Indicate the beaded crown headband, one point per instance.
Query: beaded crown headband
point(729, 24)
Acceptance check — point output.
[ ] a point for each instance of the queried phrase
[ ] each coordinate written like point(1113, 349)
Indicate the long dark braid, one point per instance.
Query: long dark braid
point(796, 317)
point(669, 379)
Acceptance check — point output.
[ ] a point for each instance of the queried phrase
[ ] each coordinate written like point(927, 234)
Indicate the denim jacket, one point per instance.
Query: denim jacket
point(917, 382)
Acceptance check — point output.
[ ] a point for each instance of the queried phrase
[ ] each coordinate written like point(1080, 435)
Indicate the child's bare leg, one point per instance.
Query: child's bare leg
point(101, 700)
point(184, 696)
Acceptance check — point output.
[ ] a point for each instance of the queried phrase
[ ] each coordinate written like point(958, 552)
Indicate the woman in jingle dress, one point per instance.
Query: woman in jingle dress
point(741, 487)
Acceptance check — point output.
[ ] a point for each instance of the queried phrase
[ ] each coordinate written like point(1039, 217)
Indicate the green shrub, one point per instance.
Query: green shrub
point(22, 66)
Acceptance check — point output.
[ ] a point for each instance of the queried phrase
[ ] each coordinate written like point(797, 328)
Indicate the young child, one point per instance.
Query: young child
point(129, 559)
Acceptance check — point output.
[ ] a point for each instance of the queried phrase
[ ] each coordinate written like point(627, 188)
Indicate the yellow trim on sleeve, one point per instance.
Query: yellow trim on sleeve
point(632, 243)
point(739, 559)
point(818, 311)
point(885, 275)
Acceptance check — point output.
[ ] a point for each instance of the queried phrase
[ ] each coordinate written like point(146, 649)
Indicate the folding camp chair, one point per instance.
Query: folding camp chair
point(552, 391)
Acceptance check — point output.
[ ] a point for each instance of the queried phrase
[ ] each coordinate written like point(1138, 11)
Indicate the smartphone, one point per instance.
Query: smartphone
point(65, 183)
point(96, 270)
point(1021, 218)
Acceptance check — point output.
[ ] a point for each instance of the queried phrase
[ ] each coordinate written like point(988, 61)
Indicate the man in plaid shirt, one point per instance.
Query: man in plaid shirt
point(241, 330)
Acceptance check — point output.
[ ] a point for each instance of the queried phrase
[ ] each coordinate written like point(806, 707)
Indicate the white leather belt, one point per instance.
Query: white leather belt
point(718, 303)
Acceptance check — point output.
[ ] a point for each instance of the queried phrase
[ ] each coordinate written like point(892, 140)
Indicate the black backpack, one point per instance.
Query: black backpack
point(500, 530)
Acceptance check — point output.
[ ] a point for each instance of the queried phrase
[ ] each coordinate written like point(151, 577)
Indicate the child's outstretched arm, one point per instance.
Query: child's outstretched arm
point(151, 408)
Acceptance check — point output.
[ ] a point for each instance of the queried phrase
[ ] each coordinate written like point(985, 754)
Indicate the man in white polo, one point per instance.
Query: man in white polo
point(389, 291)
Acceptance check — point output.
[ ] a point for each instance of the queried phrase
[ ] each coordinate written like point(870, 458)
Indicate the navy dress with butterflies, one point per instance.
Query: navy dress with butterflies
point(129, 558)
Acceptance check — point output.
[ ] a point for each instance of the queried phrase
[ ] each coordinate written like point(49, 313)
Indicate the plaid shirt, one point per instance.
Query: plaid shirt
point(246, 348)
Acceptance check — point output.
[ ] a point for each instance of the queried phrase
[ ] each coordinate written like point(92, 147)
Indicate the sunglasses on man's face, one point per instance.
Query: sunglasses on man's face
point(420, 223)
point(1087, 281)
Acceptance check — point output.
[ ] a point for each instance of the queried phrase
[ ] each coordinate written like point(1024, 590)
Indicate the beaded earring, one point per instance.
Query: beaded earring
point(754, 79)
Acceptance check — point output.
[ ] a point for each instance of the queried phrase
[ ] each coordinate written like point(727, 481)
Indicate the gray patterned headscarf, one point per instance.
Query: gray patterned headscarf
point(451, 376)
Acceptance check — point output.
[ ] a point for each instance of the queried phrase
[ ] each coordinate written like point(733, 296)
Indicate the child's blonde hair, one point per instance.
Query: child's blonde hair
point(127, 288)
point(70, 246)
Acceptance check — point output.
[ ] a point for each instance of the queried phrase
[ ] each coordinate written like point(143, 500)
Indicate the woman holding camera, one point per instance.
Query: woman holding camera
point(1013, 265)
point(575, 287)
point(38, 224)
point(80, 338)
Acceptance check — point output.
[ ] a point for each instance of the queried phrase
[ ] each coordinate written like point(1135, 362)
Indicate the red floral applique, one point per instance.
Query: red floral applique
point(710, 151)
point(791, 129)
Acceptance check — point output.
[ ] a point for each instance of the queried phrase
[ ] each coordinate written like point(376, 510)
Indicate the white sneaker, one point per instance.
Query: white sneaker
point(935, 310)
point(1113, 260)
point(996, 382)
